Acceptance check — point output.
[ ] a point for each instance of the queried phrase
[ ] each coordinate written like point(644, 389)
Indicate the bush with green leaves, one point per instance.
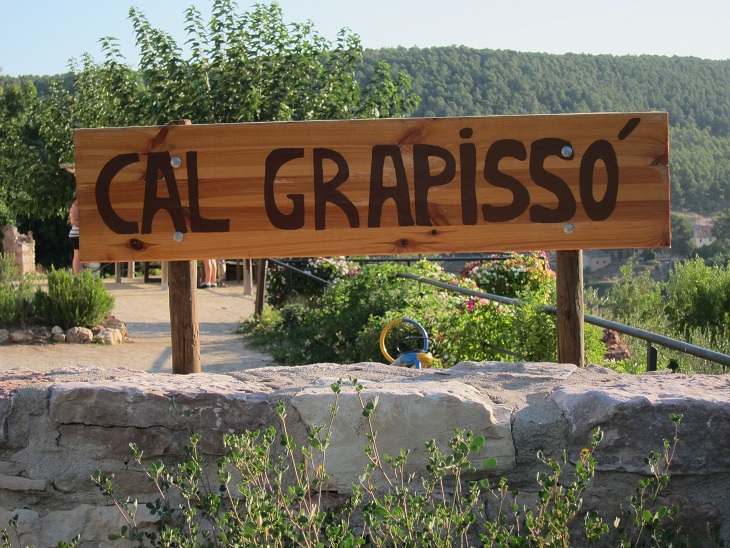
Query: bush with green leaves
point(269, 494)
point(691, 305)
point(73, 301)
point(282, 285)
point(16, 294)
point(344, 325)
point(330, 327)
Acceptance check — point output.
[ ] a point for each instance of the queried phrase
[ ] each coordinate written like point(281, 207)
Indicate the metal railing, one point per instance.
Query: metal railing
point(648, 336)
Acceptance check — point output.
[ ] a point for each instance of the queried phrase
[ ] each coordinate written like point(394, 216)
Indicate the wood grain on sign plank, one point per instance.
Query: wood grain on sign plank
point(226, 166)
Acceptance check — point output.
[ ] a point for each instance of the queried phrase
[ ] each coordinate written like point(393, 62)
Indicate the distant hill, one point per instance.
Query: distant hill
point(461, 81)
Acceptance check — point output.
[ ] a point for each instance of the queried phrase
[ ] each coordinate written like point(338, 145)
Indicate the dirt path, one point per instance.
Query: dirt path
point(145, 310)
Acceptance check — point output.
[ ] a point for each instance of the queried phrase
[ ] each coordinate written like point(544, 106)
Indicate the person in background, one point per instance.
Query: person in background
point(211, 271)
point(73, 235)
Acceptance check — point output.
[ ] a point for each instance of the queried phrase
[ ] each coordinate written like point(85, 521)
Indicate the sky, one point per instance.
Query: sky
point(40, 36)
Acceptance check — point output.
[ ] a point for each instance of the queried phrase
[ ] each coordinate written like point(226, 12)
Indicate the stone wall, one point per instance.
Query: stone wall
point(20, 245)
point(57, 428)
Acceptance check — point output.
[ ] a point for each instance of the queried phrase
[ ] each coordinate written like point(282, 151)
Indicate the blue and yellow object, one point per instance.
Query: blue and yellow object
point(407, 359)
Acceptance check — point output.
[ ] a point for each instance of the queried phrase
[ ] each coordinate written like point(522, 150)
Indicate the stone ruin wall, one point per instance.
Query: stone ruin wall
point(20, 245)
point(57, 428)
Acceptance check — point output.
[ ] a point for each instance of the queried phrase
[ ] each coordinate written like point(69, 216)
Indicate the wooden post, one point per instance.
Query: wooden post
point(570, 308)
point(184, 330)
point(118, 272)
point(260, 287)
point(130, 269)
point(247, 281)
point(165, 275)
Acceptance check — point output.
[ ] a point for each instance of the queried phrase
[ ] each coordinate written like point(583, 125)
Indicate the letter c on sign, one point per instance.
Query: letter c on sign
point(103, 201)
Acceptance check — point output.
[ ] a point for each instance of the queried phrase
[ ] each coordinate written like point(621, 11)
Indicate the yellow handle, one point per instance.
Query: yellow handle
point(383, 333)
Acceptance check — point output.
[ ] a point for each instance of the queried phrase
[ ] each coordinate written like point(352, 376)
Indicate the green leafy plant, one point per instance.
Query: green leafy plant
point(344, 325)
point(73, 301)
point(16, 293)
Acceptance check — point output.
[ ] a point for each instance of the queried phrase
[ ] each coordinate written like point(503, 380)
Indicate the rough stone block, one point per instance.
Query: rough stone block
point(109, 336)
point(21, 336)
point(213, 404)
point(19, 483)
point(633, 412)
point(407, 416)
point(79, 335)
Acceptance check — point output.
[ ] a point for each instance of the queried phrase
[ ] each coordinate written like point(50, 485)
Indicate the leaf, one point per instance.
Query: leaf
point(490, 463)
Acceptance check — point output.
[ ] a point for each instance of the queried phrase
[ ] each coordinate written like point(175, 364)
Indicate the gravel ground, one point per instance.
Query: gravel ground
point(145, 310)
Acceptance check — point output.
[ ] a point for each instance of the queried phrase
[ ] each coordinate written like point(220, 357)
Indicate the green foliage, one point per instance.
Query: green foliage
point(682, 238)
point(330, 328)
point(635, 298)
point(698, 298)
point(16, 293)
point(344, 325)
point(81, 301)
point(283, 285)
point(264, 496)
point(692, 305)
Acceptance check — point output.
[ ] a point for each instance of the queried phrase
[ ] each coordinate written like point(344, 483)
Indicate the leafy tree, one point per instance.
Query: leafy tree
point(721, 227)
point(243, 67)
point(682, 237)
point(31, 181)
point(698, 298)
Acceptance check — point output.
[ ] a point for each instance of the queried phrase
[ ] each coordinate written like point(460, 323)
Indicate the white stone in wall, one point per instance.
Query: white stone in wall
point(407, 416)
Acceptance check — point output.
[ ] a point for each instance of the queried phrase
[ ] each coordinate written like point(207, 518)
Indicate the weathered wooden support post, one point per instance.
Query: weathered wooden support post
point(570, 308)
point(260, 287)
point(165, 266)
point(184, 330)
point(247, 275)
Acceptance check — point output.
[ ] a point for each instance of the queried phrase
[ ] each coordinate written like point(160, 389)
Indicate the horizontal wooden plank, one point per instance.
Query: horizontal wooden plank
point(582, 181)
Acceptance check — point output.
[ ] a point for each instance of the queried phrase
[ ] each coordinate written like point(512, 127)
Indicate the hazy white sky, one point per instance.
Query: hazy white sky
point(39, 37)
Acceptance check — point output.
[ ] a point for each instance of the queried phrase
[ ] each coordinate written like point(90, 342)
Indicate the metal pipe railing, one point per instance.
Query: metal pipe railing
point(300, 272)
point(668, 342)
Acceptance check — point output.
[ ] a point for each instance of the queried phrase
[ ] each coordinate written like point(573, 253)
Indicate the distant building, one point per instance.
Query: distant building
point(702, 235)
point(595, 260)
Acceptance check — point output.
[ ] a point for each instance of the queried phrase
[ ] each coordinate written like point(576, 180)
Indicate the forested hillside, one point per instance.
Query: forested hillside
point(461, 81)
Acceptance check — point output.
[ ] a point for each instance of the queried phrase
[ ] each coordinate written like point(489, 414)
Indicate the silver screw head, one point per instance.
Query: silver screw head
point(566, 151)
point(176, 161)
point(569, 228)
point(178, 236)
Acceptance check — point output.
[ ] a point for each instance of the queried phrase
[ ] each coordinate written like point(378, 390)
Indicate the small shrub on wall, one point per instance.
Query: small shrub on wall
point(81, 301)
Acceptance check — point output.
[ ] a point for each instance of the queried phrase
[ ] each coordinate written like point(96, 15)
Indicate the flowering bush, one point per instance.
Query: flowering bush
point(282, 285)
point(345, 325)
point(508, 277)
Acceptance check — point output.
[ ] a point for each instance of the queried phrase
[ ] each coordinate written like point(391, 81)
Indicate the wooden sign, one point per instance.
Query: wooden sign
point(374, 187)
